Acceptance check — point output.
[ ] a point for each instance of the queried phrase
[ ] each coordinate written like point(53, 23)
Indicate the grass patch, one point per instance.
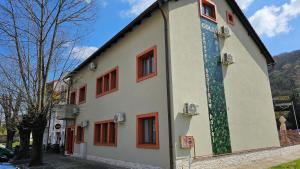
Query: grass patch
point(291, 165)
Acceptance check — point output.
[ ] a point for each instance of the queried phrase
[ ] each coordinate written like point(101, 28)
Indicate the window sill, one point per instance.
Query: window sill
point(106, 93)
point(82, 102)
point(209, 18)
point(105, 145)
point(148, 146)
point(139, 79)
point(79, 142)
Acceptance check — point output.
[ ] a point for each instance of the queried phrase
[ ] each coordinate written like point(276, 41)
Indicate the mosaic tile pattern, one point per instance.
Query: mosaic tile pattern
point(215, 89)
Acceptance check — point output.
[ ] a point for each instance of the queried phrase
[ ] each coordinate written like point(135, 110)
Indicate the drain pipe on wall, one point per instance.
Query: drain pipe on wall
point(167, 59)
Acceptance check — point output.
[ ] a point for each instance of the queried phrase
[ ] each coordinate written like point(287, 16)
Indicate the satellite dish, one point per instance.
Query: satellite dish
point(92, 66)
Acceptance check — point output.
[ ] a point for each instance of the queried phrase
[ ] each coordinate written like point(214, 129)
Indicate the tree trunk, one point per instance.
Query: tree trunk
point(37, 146)
point(10, 138)
point(23, 152)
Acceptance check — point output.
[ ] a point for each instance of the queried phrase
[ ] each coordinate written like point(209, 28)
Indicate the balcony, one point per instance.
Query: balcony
point(66, 112)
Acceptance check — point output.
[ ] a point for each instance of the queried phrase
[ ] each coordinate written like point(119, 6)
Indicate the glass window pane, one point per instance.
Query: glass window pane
point(153, 132)
point(146, 132)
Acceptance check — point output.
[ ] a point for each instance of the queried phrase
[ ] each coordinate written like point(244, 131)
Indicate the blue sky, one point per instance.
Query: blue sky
point(276, 21)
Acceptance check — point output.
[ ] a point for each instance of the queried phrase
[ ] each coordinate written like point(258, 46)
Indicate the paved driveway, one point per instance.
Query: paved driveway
point(55, 161)
point(254, 160)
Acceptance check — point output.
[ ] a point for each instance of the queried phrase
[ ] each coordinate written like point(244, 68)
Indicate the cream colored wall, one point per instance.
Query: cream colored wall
point(248, 95)
point(188, 80)
point(132, 98)
point(247, 89)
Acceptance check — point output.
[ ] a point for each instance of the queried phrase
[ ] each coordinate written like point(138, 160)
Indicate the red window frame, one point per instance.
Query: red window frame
point(108, 82)
point(105, 133)
point(139, 131)
point(82, 94)
point(230, 18)
point(211, 5)
point(139, 65)
point(73, 98)
point(79, 137)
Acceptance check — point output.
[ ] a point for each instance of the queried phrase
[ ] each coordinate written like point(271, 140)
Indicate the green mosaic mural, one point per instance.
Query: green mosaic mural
point(215, 89)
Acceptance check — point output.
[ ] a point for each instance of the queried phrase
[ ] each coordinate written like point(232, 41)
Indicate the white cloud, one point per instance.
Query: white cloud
point(102, 3)
point(136, 7)
point(83, 52)
point(244, 4)
point(274, 20)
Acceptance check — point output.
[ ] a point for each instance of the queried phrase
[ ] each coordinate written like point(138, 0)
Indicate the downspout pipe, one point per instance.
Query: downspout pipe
point(167, 60)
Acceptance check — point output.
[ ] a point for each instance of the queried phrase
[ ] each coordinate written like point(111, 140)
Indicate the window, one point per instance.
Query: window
point(107, 83)
point(147, 64)
point(73, 98)
point(82, 94)
point(80, 135)
point(147, 131)
point(105, 133)
point(230, 17)
point(208, 10)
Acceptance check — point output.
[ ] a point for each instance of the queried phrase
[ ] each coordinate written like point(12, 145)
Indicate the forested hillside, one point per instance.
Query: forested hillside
point(285, 75)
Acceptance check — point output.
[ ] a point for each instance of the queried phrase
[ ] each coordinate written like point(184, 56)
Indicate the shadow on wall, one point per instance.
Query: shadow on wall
point(183, 125)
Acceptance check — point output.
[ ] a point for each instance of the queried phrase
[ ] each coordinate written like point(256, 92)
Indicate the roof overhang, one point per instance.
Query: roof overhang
point(148, 12)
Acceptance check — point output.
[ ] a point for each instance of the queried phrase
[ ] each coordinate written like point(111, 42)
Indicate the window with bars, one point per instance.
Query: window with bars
point(105, 133)
point(147, 64)
point(107, 83)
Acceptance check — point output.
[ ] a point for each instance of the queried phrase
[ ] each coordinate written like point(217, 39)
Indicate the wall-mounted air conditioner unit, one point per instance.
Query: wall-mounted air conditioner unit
point(85, 123)
point(224, 32)
point(190, 109)
point(227, 59)
point(92, 66)
point(120, 117)
point(76, 111)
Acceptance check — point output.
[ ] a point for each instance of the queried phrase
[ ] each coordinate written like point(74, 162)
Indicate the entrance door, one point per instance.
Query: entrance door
point(70, 140)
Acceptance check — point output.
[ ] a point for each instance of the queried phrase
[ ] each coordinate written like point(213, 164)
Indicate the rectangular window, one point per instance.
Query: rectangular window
point(82, 95)
point(208, 10)
point(230, 17)
point(107, 83)
point(105, 133)
point(73, 98)
point(80, 135)
point(147, 131)
point(147, 64)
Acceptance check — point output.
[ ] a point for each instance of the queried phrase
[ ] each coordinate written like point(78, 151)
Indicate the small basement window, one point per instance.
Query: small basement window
point(147, 131)
point(80, 135)
point(82, 95)
point(107, 83)
point(105, 133)
point(73, 98)
point(230, 17)
point(208, 10)
point(147, 64)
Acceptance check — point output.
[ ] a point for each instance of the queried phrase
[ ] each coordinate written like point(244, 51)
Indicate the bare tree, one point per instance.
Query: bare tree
point(11, 107)
point(38, 35)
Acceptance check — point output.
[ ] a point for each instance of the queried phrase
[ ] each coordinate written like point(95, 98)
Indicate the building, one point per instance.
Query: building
point(191, 78)
point(55, 129)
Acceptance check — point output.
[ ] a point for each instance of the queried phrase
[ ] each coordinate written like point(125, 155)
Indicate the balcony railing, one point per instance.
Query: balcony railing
point(66, 112)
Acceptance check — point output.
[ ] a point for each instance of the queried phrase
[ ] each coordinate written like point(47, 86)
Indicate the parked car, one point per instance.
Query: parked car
point(7, 166)
point(6, 153)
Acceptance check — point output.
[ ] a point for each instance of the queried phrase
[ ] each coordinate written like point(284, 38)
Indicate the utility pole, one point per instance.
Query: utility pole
point(295, 116)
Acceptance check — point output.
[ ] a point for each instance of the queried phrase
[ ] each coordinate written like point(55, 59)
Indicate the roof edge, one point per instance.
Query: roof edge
point(239, 13)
